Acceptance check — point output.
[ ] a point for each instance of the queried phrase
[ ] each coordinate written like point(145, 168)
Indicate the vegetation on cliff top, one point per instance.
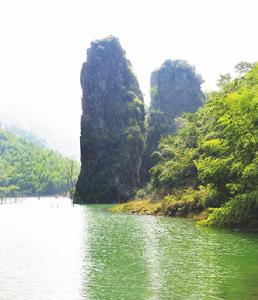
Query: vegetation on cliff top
point(211, 164)
point(30, 169)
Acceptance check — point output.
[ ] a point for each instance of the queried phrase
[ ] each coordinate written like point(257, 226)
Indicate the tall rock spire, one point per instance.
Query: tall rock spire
point(175, 89)
point(112, 125)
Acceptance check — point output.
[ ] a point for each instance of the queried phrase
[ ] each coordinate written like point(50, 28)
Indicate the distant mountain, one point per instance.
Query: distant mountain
point(27, 135)
point(29, 168)
point(40, 132)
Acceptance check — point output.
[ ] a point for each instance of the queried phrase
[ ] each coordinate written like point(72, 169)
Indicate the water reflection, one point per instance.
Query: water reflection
point(52, 250)
point(40, 250)
point(115, 249)
point(143, 257)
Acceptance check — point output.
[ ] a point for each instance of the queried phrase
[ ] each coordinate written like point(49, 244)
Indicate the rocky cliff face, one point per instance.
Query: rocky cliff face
point(112, 126)
point(175, 89)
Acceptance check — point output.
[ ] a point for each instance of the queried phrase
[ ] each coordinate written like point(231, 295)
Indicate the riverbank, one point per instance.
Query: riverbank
point(161, 208)
point(184, 204)
point(236, 213)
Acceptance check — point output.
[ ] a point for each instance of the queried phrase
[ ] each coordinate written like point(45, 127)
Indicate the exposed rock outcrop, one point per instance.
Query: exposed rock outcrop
point(112, 126)
point(175, 89)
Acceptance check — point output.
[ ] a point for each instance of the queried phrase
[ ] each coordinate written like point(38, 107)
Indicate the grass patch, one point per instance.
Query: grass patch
point(138, 206)
point(184, 203)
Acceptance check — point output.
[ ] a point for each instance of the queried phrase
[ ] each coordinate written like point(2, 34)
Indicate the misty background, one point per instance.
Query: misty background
point(44, 43)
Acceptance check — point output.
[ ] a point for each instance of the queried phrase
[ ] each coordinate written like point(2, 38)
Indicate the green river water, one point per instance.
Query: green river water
point(52, 250)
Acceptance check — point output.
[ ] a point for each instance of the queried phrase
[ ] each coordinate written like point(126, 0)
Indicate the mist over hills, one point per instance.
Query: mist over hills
point(41, 131)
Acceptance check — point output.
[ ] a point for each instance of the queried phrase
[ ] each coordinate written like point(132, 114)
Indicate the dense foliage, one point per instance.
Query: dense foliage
point(216, 152)
point(29, 169)
point(175, 89)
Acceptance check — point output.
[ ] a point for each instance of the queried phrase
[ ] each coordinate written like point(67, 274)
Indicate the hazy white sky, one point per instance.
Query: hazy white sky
point(44, 42)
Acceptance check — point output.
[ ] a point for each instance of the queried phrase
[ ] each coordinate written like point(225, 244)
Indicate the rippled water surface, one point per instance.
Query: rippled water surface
point(51, 250)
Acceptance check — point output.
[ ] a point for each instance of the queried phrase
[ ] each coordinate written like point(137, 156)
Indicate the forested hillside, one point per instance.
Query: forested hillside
point(29, 169)
point(210, 167)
